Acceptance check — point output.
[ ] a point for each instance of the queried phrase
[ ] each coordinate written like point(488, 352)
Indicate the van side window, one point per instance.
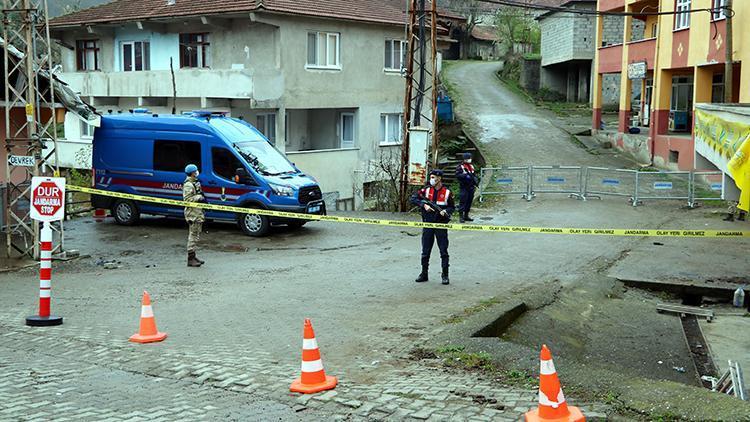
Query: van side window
point(225, 163)
point(175, 155)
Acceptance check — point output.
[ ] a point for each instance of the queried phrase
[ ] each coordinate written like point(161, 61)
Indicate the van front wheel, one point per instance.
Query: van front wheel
point(253, 224)
point(125, 212)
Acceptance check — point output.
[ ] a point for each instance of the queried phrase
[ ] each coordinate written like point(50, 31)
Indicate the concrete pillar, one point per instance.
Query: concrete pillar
point(583, 83)
point(596, 89)
point(281, 129)
point(702, 85)
point(572, 85)
point(661, 102)
point(626, 85)
point(745, 83)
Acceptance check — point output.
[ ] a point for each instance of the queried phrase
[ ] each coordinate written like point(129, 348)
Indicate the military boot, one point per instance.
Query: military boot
point(192, 261)
point(742, 216)
point(461, 218)
point(444, 276)
point(423, 276)
point(729, 217)
point(467, 218)
point(199, 260)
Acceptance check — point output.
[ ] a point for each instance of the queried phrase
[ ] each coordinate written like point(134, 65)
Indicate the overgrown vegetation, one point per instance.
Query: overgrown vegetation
point(456, 357)
point(520, 37)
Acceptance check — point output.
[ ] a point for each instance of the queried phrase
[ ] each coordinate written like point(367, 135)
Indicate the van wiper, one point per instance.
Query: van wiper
point(253, 160)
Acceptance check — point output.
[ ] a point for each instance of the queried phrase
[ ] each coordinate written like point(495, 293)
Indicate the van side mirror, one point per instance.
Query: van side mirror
point(242, 177)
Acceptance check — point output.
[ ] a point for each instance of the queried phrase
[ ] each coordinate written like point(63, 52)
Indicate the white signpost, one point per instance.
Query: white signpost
point(47, 198)
point(47, 205)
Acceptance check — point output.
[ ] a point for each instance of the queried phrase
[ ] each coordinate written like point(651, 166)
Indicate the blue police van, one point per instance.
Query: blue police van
point(146, 154)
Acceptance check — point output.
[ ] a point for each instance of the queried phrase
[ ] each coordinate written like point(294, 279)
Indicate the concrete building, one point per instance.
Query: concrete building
point(568, 50)
point(485, 43)
point(321, 79)
point(678, 64)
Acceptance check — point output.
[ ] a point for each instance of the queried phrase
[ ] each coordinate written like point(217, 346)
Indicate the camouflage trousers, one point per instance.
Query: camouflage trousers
point(194, 234)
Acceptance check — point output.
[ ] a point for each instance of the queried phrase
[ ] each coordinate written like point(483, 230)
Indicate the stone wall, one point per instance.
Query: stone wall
point(530, 74)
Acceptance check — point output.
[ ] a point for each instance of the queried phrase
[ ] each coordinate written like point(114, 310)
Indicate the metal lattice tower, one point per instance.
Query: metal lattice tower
point(421, 83)
point(29, 89)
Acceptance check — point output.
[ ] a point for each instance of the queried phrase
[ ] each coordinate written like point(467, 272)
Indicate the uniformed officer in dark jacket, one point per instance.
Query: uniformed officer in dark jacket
point(436, 204)
point(468, 182)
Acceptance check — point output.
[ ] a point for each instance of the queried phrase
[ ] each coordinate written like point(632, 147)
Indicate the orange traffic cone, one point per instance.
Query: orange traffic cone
point(552, 405)
point(148, 332)
point(314, 378)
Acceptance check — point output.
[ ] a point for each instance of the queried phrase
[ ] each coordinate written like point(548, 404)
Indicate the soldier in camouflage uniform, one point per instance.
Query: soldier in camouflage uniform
point(191, 192)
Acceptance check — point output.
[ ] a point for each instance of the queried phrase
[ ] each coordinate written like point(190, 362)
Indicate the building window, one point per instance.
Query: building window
point(136, 56)
point(266, 124)
point(394, 54)
point(175, 155)
point(87, 131)
point(674, 156)
point(718, 11)
point(87, 55)
point(347, 130)
point(682, 15)
point(323, 50)
point(654, 30)
point(717, 88)
point(195, 51)
point(390, 129)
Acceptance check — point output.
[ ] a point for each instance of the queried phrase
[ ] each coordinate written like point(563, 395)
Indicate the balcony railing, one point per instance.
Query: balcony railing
point(642, 50)
point(192, 83)
point(610, 59)
point(609, 5)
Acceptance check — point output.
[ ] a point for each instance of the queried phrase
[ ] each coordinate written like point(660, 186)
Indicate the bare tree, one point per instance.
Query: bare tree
point(74, 6)
point(382, 177)
point(472, 11)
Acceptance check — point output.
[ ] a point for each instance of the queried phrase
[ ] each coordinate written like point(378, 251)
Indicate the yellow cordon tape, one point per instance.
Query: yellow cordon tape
point(418, 224)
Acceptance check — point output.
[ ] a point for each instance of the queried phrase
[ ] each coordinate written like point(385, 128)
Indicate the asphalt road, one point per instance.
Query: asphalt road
point(512, 131)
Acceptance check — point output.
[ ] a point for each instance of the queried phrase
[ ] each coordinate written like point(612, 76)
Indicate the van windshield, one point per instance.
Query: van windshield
point(264, 158)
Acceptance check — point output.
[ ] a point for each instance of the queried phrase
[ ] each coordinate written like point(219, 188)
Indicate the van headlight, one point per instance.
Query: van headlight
point(282, 190)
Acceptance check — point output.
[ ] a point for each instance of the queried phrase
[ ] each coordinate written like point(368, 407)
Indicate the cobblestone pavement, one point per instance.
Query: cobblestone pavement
point(75, 373)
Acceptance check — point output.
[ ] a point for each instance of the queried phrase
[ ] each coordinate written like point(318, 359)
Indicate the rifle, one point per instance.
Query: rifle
point(435, 207)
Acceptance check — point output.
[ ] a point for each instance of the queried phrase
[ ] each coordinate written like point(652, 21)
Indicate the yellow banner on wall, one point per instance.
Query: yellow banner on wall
point(732, 141)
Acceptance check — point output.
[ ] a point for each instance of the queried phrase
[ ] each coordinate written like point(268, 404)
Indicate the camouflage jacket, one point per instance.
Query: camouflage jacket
point(192, 192)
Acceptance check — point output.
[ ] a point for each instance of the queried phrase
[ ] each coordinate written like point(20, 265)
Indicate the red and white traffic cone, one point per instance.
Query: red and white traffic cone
point(44, 319)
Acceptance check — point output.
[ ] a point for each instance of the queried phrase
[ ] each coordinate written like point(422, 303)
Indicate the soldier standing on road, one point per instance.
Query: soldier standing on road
point(192, 192)
point(467, 181)
point(436, 204)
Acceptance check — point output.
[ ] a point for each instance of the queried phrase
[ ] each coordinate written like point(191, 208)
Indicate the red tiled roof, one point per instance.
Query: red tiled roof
point(379, 11)
point(484, 33)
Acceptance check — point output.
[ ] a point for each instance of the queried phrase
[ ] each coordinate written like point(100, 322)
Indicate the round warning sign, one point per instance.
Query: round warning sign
point(47, 198)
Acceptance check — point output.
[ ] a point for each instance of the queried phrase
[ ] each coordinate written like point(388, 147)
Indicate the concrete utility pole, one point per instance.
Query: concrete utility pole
point(728, 61)
point(418, 69)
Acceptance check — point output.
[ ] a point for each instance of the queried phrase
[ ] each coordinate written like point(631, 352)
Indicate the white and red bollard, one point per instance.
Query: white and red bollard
point(100, 214)
point(44, 319)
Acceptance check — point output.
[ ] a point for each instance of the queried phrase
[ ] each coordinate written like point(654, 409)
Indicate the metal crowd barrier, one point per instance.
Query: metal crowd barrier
point(557, 179)
point(662, 185)
point(505, 181)
point(596, 182)
point(600, 181)
point(706, 186)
